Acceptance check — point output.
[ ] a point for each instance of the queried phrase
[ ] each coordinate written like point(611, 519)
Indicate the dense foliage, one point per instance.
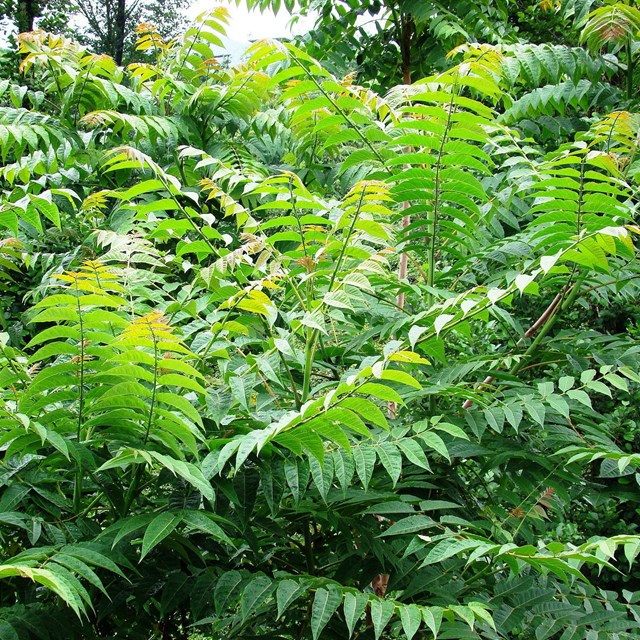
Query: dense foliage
point(224, 412)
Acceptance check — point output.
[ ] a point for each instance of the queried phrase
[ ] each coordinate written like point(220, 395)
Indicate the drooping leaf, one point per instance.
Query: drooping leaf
point(325, 603)
point(159, 528)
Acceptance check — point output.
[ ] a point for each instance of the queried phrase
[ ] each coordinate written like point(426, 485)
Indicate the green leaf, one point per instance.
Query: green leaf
point(600, 387)
point(565, 383)
point(411, 619)
point(407, 525)
point(448, 548)
point(536, 410)
point(400, 376)
point(338, 298)
point(159, 528)
point(617, 381)
point(441, 321)
point(325, 602)
point(367, 410)
point(188, 471)
point(52, 578)
point(559, 404)
point(433, 618)
point(451, 429)
point(381, 391)
point(413, 452)
point(126, 526)
point(201, 594)
point(495, 418)
point(381, 613)
point(182, 404)
point(631, 551)
point(580, 396)
point(322, 474)
point(296, 481)
point(227, 587)
point(435, 442)
point(288, 592)
point(513, 413)
point(57, 314)
point(391, 460)
point(177, 380)
point(93, 557)
point(343, 467)
point(481, 613)
point(254, 595)
point(354, 606)
point(364, 458)
point(465, 613)
point(332, 429)
point(348, 418)
point(80, 569)
point(199, 520)
point(7, 632)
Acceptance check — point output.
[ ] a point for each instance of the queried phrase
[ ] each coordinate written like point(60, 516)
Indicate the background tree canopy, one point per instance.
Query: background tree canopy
point(105, 26)
point(339, 341)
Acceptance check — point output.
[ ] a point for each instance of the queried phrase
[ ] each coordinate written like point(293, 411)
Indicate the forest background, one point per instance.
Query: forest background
point(337, 340)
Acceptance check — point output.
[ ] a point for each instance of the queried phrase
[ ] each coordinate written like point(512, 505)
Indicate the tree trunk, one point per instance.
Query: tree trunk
point(406, 39)
point(27, 12)
point(120, 31)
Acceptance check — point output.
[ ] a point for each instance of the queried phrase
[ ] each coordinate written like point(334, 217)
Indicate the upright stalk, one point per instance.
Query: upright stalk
point(136, 473)
point(309, 351)
point(294, 388)
point(82, 88)
point(405, 31)
point(436, 202)
point(77, 490)
point(154, 391)
point(630, 69)
point(313, 334)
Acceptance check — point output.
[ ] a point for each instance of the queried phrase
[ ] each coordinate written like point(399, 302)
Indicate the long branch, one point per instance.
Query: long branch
point(529, 333)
